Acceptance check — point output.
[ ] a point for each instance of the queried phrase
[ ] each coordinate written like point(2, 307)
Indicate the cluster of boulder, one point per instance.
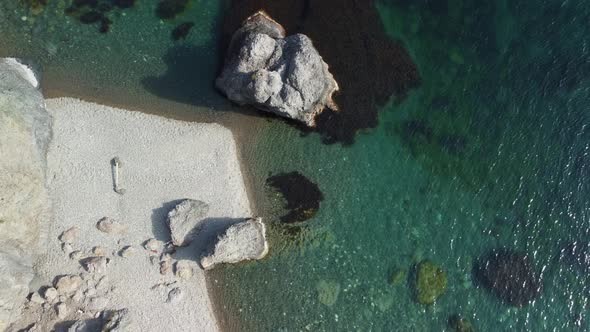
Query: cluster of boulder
point(244, 240)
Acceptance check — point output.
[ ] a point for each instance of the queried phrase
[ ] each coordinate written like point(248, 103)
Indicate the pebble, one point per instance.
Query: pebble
point(165, 267)
point(36, 298)
point(110, 226)
point(127, 251)
point(100, 251)
point(90, 292)
point(50, 294)
point(68, 284)
point(183, 270)
point(62, 310)
point(95, 264)
point(66, 248)
point(174, 296)
point(76, 255)
point(70, 235)
point(153, 246)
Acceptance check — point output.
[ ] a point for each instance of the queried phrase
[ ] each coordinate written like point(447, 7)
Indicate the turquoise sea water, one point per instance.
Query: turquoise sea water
point(491, 150)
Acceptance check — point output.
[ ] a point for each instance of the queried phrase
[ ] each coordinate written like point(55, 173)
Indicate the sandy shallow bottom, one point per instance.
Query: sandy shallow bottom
point(164, 161)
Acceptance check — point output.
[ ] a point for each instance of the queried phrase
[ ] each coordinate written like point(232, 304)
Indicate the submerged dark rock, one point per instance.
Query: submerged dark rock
point(124, 3)
point(169, 9)
point(460, 324)
point(284, 75)
point(369, 66)
point(182, 30)
point(509, 275)
point(302, 196)
point(91, 17)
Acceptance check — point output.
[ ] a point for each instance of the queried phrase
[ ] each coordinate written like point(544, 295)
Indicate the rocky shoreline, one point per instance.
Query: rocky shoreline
point(113, 176)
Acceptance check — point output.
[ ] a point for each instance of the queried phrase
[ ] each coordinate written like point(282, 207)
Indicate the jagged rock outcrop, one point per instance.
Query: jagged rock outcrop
point(242, 241)
point(275, 73)
point(185, 220)
point(25, 130)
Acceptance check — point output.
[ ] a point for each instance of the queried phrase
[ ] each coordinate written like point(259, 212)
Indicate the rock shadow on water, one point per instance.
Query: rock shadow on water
point(368, 65)
point(189, 77)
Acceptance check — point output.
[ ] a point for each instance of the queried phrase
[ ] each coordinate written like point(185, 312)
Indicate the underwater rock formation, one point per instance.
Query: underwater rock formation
point(185, 219)
point(302, 196)
point(278, 74)
point(431, 282)
point(369, 66)
point(509, 275)
point(25, 127)
point(242, 241)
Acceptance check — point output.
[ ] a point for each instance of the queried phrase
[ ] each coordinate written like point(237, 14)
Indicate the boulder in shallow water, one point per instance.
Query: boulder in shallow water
point(278, 74)
point(185, 219)
point(243, 241)
point(430, 283)
point(509, 275)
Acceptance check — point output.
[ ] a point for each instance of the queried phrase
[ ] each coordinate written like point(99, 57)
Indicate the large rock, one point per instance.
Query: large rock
point(242, 241)
point(25, 130)
point(185, 220)
point(278, 74)
point(510, 275)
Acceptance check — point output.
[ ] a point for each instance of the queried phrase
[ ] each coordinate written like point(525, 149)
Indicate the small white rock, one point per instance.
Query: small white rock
point(165, 267)
point(110, 226)
point(153, 246)
point(50, 294)
point(68, 284)
point(36, 298)
point(76, 255)
point(95, 264)
point(175, 296)
point(127, 251)
point(66, 248)
point(90, 292)
point(62, 310)
point(70, 235)
point(100, 251)
point(183, 270)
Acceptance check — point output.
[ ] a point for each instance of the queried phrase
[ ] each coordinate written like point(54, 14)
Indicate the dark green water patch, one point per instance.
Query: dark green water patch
point(302, 197)
point(369, 66)
point(181, 31)
point(510, 276)
point(169, 9)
